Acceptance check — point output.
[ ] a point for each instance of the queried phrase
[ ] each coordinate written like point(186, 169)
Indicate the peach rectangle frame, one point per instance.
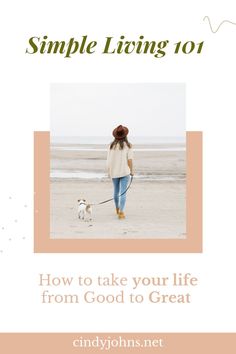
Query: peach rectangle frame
point(43, 243)
point(61, 343)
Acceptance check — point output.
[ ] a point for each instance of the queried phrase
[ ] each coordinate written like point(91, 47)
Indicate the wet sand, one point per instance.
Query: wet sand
point(155, 205)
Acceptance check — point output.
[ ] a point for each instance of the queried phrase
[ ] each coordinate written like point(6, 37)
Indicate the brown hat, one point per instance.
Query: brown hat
point(120, 132)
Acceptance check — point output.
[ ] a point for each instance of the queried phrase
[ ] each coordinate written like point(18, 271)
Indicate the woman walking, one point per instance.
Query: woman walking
point(120, 166)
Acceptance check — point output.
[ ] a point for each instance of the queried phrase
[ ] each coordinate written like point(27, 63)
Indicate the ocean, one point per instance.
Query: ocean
point(135, 140)
point(84, 158)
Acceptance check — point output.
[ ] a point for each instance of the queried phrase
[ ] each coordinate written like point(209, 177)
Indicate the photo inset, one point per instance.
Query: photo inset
point(118, 161)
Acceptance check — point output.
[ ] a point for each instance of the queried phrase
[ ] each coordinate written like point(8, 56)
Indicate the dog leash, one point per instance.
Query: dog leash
point(109, 200)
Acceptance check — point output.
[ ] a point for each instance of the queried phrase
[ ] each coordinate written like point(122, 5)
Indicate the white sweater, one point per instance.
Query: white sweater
point(117, 161)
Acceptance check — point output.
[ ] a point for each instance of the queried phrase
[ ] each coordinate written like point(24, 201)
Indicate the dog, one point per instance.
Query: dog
point(84, 210)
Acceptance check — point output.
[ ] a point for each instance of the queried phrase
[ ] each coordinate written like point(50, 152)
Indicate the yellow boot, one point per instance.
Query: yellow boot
point(117, 211)
point(121, 215)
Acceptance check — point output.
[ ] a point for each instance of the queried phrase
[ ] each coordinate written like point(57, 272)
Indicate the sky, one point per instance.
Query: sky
point(95, 109)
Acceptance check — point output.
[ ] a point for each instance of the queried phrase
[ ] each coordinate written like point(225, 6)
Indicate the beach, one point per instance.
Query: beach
point(156, 200)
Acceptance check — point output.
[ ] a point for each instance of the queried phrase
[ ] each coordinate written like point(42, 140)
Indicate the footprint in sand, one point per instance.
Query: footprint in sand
point(182, 235)
point(131, 231)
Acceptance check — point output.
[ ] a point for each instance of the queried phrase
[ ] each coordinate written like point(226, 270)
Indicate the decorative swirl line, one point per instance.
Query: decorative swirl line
point(217, 29)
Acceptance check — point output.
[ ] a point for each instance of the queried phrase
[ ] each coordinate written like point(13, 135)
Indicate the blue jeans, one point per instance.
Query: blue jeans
point(120, 184)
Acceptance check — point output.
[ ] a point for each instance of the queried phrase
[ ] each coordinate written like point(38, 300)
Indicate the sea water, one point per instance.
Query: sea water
point(135, 140)
point(87, 175)
point(100, 144)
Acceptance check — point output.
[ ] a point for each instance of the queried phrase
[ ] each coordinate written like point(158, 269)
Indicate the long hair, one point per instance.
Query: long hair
point(121, 143)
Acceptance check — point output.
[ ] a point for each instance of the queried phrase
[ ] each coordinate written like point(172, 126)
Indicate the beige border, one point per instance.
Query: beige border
point(43, 243)
point(61, 343)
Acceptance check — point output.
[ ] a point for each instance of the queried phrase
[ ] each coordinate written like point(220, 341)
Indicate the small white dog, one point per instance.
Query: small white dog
point(84, 210)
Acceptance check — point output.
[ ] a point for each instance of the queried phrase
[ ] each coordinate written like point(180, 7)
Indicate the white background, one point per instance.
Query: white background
point(210, 87)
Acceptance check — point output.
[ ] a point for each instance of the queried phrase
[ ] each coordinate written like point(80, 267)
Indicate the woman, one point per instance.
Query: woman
point(120, 166)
